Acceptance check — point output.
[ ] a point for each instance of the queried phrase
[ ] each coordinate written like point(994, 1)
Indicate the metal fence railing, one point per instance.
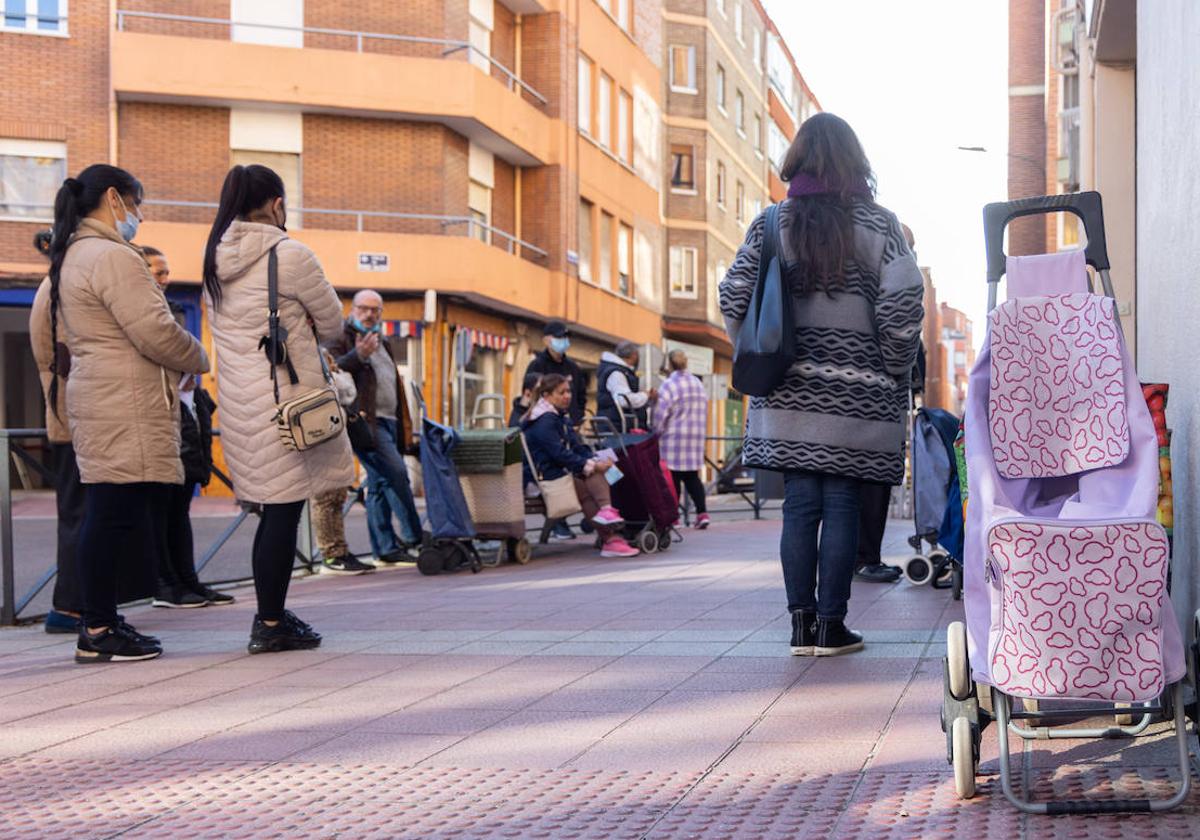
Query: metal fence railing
point(362, 41)
point(11, 451)
point(416, 223)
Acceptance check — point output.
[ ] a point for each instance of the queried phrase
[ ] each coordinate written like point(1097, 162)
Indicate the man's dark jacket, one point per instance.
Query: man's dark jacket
point(543, 363)
point(347, 359)
point(195, 439)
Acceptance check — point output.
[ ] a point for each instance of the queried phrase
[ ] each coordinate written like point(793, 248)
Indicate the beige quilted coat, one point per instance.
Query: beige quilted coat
point(261, 468)
point(43, 356)
point(127, 352)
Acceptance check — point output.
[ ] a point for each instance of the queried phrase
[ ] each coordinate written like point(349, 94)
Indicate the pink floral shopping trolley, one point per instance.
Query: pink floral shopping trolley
point(1066, 570)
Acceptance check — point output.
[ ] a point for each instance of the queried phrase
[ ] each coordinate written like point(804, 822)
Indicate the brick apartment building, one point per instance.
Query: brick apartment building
point(486, 164)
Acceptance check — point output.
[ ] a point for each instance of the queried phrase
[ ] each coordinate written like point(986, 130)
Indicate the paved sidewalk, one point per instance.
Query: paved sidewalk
point(571, 698)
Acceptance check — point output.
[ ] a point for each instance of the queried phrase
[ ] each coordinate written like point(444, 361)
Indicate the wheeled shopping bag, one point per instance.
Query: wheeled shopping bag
point(489, 469)
point(1066, 570)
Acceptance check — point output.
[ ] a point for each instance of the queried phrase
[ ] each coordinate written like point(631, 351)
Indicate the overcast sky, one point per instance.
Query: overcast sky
point(917, 78)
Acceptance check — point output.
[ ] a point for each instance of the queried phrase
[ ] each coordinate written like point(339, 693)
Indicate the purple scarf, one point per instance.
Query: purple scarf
point(803, 184)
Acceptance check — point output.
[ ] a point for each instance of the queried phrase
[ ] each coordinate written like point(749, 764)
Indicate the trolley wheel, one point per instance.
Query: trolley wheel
point(664, 540)
point(918, 569)
point(958, 665)
point(963, 746)
point(957, 582)
point(429, 561)
point(647, 541)
point(520, 551)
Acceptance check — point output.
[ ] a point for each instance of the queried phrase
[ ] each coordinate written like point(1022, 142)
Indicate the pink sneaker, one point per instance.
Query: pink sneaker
point(608, 516)
point(702, 521)
point(617, 547)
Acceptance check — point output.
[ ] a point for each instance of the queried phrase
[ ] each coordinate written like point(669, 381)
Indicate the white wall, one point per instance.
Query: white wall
point(1168, 253)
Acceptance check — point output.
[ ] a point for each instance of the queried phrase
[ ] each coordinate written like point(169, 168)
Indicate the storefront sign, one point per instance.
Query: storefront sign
point(373, 262)
point(700, 359)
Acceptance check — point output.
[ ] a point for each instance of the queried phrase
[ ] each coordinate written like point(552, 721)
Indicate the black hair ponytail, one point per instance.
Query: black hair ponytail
point(246, 188)
point(76, 198)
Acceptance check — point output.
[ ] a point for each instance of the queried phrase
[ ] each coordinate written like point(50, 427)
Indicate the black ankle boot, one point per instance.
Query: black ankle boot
point(803, 633)
point(834, 638)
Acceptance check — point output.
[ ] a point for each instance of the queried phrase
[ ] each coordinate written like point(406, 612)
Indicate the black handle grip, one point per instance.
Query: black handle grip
point(1085, 205)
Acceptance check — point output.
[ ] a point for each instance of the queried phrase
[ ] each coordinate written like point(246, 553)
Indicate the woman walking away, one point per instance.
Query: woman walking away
point(681, 418)
point(127, 353)
point(838, 417)
point(557, 450)
point(250, 224)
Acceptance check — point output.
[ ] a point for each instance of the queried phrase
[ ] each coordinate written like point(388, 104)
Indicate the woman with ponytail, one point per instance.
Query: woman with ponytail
point(250, 225)
point(126, 355)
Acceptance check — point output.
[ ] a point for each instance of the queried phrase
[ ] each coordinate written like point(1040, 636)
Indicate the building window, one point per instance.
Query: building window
point(46, 17)
point(585, 95)
point(721, 8)
point(683, 68)
point(683, 272)
point(756, 37)
point(777, 145)
point(683, 168)
point(624, 14)
point(720, 184)
point(479, 201)
point(585, 240)
point(625, 260)
point(606, 242)
point(738, 29)
point(286, 165)
point(604, 96)
point(739, 112)
point(721, 88)
point(740, 202)
point(278, 23)
point(31, 171)
point(758, 133)
point(624, 125)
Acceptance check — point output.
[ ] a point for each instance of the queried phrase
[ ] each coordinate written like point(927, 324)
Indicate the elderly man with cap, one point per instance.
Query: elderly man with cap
point(553, 359)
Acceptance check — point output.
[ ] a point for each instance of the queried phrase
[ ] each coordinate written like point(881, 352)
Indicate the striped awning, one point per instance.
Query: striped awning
point(402, 329)
point(487, 340)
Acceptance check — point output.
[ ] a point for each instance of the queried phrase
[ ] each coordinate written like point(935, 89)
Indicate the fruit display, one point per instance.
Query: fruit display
point(1156, 401)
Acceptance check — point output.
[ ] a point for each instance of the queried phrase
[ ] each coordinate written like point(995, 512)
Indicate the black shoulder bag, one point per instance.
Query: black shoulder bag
point(766, 344)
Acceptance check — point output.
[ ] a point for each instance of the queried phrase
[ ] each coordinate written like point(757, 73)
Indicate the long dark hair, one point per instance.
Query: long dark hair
point(246, 189)
point(76, 198)
point(821, 234)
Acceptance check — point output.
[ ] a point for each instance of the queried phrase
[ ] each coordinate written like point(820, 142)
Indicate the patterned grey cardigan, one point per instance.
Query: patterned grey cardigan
point(841, 408)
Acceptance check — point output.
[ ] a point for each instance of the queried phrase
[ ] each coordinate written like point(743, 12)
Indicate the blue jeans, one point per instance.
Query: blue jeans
point(389, 491)
point(819, 544)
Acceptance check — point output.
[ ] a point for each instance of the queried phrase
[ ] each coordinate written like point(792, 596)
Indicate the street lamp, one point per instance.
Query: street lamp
point(1040, 165)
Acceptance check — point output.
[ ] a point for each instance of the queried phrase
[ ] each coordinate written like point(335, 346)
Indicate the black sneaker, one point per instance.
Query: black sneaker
point(141, 637)
point(290, 633)
point(214, 598)
point(400, 555)
point(347, 564)
point(178, 598)
point(833, 638)
point(878, 573)
point(804, 633)
point(115, 644)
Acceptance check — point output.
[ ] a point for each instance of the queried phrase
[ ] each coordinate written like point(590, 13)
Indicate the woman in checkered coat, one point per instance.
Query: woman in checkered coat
point(681, 418)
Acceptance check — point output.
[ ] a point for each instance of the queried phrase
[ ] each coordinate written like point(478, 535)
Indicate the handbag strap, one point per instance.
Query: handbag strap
point(273, 324)
point(770, 244)
point(529, 457)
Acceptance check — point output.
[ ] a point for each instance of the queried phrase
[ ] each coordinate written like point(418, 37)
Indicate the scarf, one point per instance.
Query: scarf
point(803, 184)
point(541, 407)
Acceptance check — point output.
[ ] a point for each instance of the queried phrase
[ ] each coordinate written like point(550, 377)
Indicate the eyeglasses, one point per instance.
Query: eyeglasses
point(361, 308)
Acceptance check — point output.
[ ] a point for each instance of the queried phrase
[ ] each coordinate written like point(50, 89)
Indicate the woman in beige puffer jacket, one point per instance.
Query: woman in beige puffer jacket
point(126, 356)
point(250, 222)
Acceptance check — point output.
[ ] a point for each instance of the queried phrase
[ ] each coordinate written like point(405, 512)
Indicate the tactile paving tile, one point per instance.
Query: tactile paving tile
point(895, 805)
point(758, 806)
point(1115, 782)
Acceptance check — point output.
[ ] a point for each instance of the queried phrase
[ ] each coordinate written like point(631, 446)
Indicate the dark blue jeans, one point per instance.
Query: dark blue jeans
point(819, 544)
point(388, 492)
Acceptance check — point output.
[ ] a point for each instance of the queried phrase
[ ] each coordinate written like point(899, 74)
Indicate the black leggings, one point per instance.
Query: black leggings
point(113, 516)
point(274, 554)
point(177, 565)
point(695, 487)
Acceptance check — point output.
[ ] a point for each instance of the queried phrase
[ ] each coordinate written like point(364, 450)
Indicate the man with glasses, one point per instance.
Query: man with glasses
point(366, 354)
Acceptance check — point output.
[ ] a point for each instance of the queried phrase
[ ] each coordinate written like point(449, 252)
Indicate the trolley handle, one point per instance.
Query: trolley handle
point(1085, 205)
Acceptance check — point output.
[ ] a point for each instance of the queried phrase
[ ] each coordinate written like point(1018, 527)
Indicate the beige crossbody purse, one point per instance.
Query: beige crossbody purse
point(558, 494)
point(315, 416)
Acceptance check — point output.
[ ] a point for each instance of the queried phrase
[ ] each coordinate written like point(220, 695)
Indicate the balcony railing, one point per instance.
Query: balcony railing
point(375, 42)
point(371, 221)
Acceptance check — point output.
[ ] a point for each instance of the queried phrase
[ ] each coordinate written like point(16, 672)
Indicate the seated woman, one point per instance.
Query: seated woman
point(557, 450)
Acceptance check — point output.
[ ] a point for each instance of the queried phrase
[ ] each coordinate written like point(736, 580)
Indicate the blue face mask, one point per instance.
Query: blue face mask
point(560, 345)
point(358, 326)
point(127, 227)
